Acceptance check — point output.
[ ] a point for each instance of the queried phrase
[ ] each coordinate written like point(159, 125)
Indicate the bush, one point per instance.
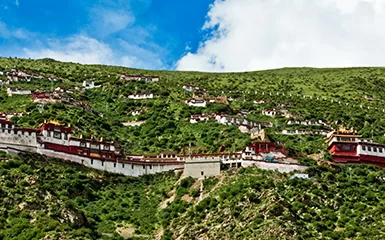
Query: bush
point(195, 193)
point(187, 182)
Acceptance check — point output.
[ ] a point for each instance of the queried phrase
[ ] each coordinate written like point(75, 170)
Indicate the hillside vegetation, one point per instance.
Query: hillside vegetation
point(53, 199)
point(335, 96)
point(45, 198)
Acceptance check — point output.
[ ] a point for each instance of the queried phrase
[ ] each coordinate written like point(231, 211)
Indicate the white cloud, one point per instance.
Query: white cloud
point(80, 49)
point(18, 33)
point(108, 21)
point(143, 57)
point(261, 34)
point(17, 3)
point(87, 50)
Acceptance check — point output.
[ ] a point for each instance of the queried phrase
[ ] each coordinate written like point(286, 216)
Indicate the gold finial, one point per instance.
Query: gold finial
point(55, 122)
point(81, 136)
point(342, 129)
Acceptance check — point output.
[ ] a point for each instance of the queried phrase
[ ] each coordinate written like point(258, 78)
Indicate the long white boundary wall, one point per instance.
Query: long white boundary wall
point(137, 169)
point(280, 167)
point(128, 169)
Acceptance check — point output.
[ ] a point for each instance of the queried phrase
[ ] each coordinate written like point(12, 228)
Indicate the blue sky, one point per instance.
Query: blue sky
point(204, 35)
point(150, 34)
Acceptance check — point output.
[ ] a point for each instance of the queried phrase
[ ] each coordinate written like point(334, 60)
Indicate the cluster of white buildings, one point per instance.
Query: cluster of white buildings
point(203, 101)
point(18, 75)
point(304, 132)
point(277, 112)
point(244, 125)
point(139, 96)
point(8, 115)
point(139, 78)
point(192, 88)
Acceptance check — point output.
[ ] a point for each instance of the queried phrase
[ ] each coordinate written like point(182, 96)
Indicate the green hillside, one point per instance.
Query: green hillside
point(53, 199)
point(335, 96)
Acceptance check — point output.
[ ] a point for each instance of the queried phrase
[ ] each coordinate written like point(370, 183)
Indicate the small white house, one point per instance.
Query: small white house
point(4, 82)
point(270, 112)
point(300, 175)
point(199, 118)
point(63, 89)
point(152, 79)
point(222, 119)
point(17, 91)
point(259, 101)
point(249, 129)
point(139, 78)
point(132, 124)
point(138, 111)
point(190, 88)
point(196, 102)
point(88, 85)
point(141, 96)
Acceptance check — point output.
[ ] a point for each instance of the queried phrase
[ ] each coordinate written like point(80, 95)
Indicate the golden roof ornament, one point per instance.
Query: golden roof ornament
point(342, 129)
point(55, 122)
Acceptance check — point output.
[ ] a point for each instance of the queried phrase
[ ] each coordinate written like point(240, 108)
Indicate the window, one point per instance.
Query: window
point(144, 166)
point(102, 163)
point(380, 150)
point(106, 147)
point(94, 146)
point(122, 165)
point(132, 166)
point(150, 166)
point(65, 136)
point(202, 173)
point(92, 161)
point(374, 149)
point(57, 135)
point(82, 144)
point(369, 149)
point(114, 164)
point(363, 148)
point(346, 147)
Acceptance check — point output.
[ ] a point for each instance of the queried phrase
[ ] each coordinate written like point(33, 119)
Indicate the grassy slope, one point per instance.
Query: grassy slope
point(40, 196)
point(257, 204)
point(59, 200)
point(166, 116)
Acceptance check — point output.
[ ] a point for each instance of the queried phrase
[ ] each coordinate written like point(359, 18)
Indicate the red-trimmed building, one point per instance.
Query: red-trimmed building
point(254, 150)
point(57, 137)
point(346, 146)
